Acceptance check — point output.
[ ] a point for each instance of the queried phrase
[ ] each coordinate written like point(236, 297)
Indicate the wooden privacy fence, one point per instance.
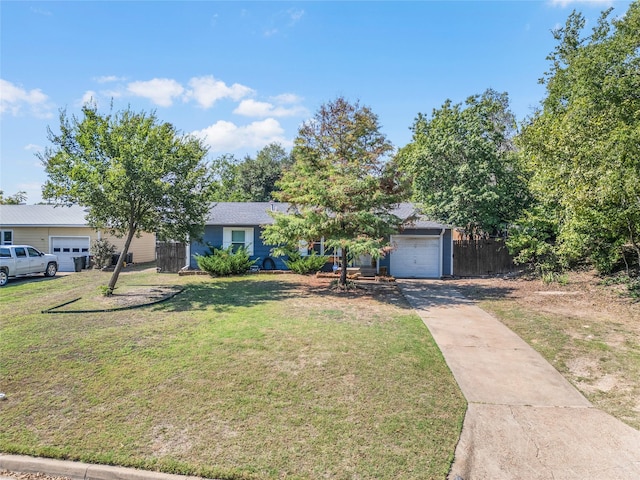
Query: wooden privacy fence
point(474, 258)
point(170, 256)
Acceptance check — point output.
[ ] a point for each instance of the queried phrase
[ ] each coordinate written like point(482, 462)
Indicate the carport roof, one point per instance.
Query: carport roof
point(42, 216)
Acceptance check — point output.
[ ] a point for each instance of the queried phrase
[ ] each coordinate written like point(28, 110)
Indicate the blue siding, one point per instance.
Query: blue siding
point(213, 236)
point(447, 253)
point(385, 262)
point(263, 252)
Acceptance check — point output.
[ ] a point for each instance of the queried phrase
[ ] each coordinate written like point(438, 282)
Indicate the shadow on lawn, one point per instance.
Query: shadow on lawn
point(425, 294)
point(221, 295)
point(479, 292)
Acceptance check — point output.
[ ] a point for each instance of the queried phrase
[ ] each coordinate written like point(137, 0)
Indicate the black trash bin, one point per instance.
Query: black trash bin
point(77, 263)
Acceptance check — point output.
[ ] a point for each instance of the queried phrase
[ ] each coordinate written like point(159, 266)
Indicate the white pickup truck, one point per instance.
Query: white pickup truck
point(19, 260)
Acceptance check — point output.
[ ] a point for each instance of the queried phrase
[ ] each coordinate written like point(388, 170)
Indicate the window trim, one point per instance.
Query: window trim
point(248, 237)
point(2, 241)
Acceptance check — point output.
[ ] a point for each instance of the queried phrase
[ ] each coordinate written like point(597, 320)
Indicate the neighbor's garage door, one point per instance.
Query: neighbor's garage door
point(415, 257)
point(68, 247)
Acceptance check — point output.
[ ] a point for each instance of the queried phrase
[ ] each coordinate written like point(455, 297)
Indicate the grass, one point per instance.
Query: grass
point(256, 377)
point(600, 356)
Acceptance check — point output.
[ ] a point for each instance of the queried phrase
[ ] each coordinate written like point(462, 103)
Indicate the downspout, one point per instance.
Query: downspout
point(187, 251)
point(441, 251)
point(452, 252)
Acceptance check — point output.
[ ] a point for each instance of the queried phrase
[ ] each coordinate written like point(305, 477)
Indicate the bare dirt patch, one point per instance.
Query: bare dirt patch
point(136, 296)
point(590, 332)
point(583, 296)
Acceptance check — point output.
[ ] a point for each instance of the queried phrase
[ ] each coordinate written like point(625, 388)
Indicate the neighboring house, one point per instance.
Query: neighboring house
point(422, 249)
point(64, 232)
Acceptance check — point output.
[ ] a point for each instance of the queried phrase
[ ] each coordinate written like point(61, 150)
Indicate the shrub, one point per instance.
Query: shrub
point(220, 262)
point(303, 265)
point(102, 251)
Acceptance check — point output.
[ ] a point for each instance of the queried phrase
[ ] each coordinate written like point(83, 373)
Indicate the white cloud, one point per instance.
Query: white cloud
point(295, 15)
point(111, 93)
point(286, 98)
point(160, 91)
point(281, 21)
point(90, 97)
point(207, 90)
point(40, 11)
point(253, 108)
point(34, 147)
point(13, 98)
point(109, 79)
point(228, 137)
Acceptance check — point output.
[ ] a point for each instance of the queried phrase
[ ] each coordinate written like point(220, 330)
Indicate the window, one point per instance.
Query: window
point(33, 252)
point(6, 237)
point(5, 253)
point(21, 252)
point(303, 248)
point(237, 237)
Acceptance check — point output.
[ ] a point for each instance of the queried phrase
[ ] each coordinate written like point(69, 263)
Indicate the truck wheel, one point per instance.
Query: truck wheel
point(51, 270)
point(4, 278)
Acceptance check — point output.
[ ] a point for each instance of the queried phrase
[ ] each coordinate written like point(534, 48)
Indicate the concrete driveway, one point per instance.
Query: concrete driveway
point(524, 420)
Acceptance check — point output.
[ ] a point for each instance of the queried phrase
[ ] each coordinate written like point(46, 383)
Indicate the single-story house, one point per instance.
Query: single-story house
point(64, 232)
point(423, 249)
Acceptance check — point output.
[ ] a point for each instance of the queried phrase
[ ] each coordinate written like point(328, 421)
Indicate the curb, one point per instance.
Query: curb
point(79, 470)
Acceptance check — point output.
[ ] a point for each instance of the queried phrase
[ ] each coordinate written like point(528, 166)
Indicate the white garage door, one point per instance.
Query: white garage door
point(415, 257)
point(68, 247)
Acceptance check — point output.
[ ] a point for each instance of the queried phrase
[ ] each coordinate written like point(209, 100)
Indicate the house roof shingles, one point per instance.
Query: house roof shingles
point(256, 213)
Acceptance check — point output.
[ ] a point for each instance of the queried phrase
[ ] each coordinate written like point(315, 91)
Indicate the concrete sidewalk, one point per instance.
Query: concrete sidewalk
point(79, 470)
point(524, 420)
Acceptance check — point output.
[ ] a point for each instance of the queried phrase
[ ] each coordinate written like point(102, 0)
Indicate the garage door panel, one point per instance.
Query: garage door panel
point(68, 247)
point(416, 257)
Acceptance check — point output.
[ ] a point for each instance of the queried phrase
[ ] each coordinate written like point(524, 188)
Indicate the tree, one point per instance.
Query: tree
point(251, 180)
point(464, 165)
point(258, 177)
point(133, 172)
point(341, 186)
point(16, 199)
point(224, 170)
point(581, 145)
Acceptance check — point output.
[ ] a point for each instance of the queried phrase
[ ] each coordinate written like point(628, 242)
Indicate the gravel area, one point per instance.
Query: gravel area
point(29, 476)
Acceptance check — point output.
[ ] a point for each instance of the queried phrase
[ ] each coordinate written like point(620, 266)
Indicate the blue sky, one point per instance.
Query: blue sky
point(245, 74)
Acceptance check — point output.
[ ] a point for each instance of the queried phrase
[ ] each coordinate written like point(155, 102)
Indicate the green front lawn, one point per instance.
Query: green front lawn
point(250, 377)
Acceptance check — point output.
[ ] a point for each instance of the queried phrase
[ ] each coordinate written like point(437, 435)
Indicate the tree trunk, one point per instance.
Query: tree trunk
point(123, 255)
point(343, 272)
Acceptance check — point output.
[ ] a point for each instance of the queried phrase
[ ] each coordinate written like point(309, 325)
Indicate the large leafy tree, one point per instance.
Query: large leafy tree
point(582, 145)
point(133, 172)
point(464, 165)
point(252, 179)
point(341, 186)
point(15, 199)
